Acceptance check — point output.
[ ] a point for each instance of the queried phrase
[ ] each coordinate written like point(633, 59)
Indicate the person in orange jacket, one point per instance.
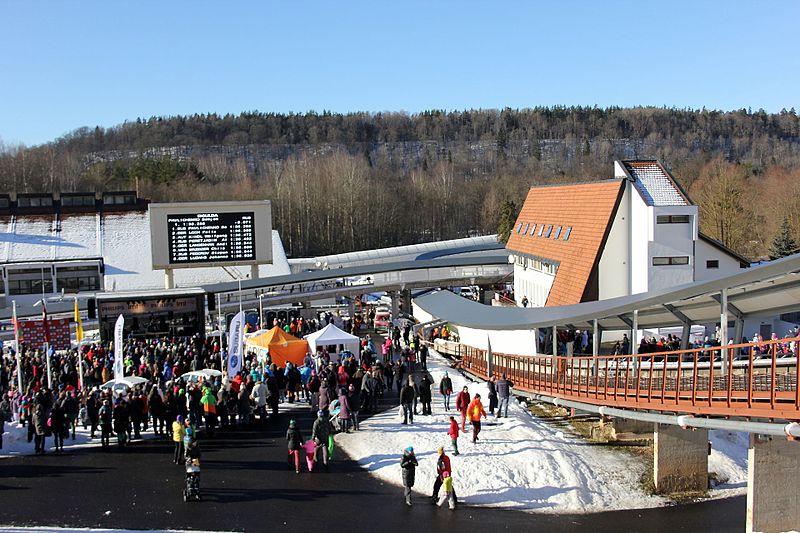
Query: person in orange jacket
point(475, 411)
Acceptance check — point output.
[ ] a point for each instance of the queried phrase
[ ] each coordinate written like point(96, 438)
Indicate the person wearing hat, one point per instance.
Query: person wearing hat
point(294, 443)
point(320, 433)
point(442, 467)
point(446, 389)
point(177, 437)
point(475, 411)
point(408, 464)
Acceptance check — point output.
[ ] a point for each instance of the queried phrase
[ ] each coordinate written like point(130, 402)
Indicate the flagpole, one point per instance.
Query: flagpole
point(78, 339)
point(16, 346)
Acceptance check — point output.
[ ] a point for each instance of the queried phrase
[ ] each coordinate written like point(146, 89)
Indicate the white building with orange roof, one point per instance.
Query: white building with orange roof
point(631, 234)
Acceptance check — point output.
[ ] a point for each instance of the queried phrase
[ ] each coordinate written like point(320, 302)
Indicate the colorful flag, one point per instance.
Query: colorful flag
point(78, 324)
point(119, 367)
point(235, 341)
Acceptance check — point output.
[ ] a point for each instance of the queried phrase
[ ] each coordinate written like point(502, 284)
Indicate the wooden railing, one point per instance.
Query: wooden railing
point(750, 380)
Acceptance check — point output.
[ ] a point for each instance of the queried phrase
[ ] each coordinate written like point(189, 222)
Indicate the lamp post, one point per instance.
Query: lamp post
point(16, 346)
point(260, 311)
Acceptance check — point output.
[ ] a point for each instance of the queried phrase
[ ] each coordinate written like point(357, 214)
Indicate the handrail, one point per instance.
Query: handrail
point(713, 381)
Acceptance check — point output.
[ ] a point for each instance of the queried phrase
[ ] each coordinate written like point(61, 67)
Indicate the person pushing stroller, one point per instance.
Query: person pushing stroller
point(191, 491)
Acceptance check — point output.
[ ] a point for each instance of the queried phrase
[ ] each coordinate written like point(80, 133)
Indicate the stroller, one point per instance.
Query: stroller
point(191, 491)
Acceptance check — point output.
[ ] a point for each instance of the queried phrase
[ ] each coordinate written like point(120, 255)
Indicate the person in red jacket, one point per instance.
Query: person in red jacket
point(462, 402)
point(475, 411)
point(454, 434)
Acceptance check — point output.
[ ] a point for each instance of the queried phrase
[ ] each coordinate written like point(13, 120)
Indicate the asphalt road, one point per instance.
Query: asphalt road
point(246, 486)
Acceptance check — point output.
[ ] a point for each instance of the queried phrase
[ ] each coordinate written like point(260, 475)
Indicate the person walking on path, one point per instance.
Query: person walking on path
point(490, 384)
point(425, 393)
point(449, 494)
point(453, 432)
point(446, 389)
point(294, 441)
point(408, 464)
point(462, 403)
point(105, 417)
point(503, 392)
point(476, 411)
point(344, 411)
point(320, 433)
point(177, 438)
point(407, 396)
point(442, 467)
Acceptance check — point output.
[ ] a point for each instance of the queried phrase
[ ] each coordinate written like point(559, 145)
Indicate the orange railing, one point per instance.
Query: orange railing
point(759, 379)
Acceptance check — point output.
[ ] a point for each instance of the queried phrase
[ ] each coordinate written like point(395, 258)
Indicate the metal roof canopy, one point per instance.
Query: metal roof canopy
point(771, 288)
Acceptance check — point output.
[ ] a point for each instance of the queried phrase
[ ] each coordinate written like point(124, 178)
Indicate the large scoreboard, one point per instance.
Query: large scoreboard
point(210, 234)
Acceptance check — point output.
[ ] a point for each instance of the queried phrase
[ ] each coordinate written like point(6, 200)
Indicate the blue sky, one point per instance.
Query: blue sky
point(64, 65)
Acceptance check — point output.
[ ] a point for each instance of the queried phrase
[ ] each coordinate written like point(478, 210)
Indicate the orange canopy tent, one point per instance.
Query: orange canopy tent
point(281, 346)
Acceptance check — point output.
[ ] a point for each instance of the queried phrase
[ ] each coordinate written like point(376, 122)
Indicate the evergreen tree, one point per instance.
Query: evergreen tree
point(508, 216)
point(784, 243)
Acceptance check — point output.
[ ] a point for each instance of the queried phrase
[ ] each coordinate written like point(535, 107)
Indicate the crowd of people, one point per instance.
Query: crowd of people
point(52, 404)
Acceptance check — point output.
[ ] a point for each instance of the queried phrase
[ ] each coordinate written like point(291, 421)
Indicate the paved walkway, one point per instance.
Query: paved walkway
point(246, 487)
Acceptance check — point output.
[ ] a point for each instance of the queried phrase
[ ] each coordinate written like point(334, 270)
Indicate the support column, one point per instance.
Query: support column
point(773, 486)
point(595, 345)
point(351, 308)
point(555, 341)
point(723, 329)
point(635, 341)
point(169, 279)
point(405, 297)
point(680, 459)
point(253, 271)
point(395, 304)
point(687, 330)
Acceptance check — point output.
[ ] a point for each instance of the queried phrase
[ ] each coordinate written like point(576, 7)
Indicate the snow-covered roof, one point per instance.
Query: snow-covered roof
point(121, 239)
point(654, 183)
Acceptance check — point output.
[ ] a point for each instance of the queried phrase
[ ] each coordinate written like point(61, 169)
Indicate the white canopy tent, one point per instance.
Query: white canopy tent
point(331, 335)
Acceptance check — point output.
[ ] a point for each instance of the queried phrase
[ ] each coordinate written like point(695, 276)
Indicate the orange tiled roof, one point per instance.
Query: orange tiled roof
point(588, 209)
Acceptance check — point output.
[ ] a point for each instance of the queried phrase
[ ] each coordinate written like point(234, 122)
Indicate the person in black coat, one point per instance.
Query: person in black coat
point(408, 464)
point(490, 384)
point(407, 396)
point(425, 393)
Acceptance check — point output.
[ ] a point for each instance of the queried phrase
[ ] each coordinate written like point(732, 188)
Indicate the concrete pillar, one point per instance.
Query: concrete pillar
point(723, 329)
point(169, 279)
point(395, 304)
point(680, 459)
point(685, 333)
point(351, 307)
point(773, 486)
point(405, 297)
point(254, 272)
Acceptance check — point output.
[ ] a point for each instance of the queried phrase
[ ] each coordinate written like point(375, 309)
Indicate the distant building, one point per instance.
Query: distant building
point(592, 241)
point(87, 243)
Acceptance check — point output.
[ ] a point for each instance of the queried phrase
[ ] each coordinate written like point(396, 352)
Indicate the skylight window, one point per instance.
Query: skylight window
point(549, 232)
point(541, 230)
point(567, 233)
point(519, 228)
point(558, 233)
point(525, 231)
point(533, 229)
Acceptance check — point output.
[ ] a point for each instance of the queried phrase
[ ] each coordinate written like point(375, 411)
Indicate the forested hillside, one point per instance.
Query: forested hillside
point(360, 180)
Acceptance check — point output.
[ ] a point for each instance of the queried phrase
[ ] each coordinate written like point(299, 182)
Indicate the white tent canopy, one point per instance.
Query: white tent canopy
point(330, 335)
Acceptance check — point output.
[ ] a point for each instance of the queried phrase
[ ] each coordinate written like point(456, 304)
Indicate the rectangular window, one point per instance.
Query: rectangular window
point(549, 231)
point(673, 219)
point(525, 231)
point(677, 260)
point(541, 230)
point(519, 228)
point(4, 203)
point(712, 263)
point(75, 201)
point(567, 233)
point(533, 229)
point(558, 233)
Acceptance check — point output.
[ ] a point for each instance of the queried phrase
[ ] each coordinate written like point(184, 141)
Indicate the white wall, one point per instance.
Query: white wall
point(672, 240)
point(703, 251)
point(613, 272)
point(517, 342)
point(641, 220)
point(531, 283)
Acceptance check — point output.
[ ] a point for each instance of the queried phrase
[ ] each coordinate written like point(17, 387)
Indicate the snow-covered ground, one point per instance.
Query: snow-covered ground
point(521, 462)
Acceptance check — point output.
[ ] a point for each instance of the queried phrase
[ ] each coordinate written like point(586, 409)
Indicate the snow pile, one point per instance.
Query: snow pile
point(519, 462)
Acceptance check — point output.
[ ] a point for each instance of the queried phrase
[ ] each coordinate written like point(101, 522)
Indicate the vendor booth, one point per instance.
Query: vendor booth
point(330, 335)
point(281, 347)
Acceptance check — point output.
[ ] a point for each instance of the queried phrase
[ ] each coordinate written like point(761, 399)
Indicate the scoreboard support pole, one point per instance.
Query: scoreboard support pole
point(169, 278)
point(253, 271)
